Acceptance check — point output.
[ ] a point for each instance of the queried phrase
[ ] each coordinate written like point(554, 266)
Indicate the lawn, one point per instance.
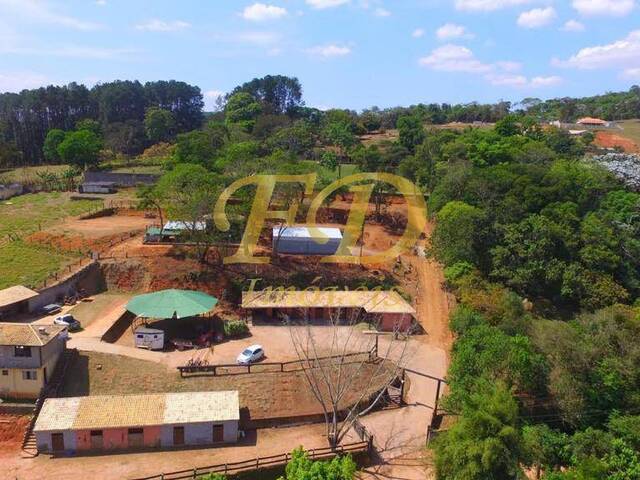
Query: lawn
point(631, 129)
point(28, 264)
point(29, 213)
point(25, 263)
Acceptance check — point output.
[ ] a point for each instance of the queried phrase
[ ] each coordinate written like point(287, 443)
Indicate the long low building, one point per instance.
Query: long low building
point(306, 240)
point(121, 422)
point(16, 300)
point(386, 308)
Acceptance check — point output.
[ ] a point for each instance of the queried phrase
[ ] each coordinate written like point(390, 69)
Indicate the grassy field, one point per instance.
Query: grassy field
point(29, 213)
point(28, 175)
point(631, 129)
point(25, 263)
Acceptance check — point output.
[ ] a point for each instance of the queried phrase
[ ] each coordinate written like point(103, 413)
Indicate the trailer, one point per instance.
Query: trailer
point(149, 338)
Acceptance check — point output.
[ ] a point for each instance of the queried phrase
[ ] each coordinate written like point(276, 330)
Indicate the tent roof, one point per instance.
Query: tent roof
point(306, 232)
point(167, 303)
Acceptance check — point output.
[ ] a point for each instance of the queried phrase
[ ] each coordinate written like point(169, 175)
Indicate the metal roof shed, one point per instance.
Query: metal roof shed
point(306, 240)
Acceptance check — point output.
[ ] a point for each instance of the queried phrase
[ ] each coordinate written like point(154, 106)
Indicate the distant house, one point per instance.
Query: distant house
point(16, 300)
point(592, 122)
point(122, 422)
point(28, 356)
point(97, 187)
point(306, 240)
point(387, 308)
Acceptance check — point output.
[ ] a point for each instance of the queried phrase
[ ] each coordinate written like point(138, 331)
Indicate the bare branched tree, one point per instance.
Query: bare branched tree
point(347, 369)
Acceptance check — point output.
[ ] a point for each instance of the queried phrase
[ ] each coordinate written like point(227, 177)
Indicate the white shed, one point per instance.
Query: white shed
point(306, 240)
point(150, 338)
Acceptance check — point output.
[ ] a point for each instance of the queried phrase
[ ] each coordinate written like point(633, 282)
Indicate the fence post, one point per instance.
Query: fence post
point(435, 407)
point(194, 473)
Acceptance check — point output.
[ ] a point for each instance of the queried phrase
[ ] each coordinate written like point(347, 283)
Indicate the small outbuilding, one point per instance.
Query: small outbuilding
point(16, 300)
point(306, 240)
point(123, 422)
point(149, 338)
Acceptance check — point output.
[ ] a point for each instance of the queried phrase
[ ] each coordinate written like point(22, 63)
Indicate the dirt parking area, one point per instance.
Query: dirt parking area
point(611, 140)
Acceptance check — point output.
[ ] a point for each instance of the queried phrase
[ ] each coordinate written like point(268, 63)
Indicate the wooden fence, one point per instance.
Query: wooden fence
point(259, 463)
point(273, 367)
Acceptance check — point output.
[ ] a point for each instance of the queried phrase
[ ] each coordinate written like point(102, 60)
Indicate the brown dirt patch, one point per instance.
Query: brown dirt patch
point(263, 395)
point(612, 140)
point(12, 428)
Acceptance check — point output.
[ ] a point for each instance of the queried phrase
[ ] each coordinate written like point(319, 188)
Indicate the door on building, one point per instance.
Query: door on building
point(218, 433)
point(96, 440)
point(135, 437)
point(178, 435)
point(57, 442)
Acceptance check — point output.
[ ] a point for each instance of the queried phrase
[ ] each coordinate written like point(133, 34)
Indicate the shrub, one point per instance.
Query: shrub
point(235, 328)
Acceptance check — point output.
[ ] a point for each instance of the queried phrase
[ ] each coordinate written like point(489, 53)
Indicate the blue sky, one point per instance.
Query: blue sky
point(347, 53)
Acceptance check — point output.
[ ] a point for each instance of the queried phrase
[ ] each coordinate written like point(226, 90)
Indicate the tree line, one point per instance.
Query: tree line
point(119, 107)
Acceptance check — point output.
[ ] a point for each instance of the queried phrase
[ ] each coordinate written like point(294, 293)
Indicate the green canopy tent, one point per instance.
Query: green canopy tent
point(171, 303)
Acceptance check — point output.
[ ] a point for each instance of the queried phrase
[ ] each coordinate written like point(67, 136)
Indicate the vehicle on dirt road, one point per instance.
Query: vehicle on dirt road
point(68, 321)
point(250, 355)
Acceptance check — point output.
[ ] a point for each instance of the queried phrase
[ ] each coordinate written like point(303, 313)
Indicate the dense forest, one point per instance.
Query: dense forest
point(540, 245)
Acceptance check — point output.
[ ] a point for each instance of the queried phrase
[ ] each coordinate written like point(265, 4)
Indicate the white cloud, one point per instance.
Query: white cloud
point(615, 8)
point(39, 12)
point(417, 33)
point(520, 81)
point(17, 81)
point(101, 3)
point(260, 12)
point(536, 18)
point(456, 58)
point(450, 31)
point(623, 53)
point(453, 58)
point(572, 26)
point(329, 51)
point(322, 4)
point(487, 5)
point(257, 38)
point(381, 12)
point(157, 25)
point(632, 73)
point(509, 66)
point(546, 81)
point(507, 80)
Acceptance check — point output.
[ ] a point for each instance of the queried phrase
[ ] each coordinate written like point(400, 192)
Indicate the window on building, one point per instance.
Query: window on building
point(20, 351)
point(5, 373)
point(29, 374)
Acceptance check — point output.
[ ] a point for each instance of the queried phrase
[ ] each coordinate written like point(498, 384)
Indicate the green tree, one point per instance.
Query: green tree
point(411, 131)
point(545, 449)
point(159, 124)
point(80, 148)
point(457, 231)
point(301, 467)
point(485, 442)
point(242, 109)
point(89, 124)
point(53, 139)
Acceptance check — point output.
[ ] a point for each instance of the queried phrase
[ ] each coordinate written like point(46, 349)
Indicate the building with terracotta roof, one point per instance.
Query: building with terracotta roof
point(385, 308)
point(28, 356)
point(592, 122)
point(121, 422)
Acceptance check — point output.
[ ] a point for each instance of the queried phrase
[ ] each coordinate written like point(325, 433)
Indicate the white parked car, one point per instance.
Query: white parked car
point(67, 321)
point(250, 355)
